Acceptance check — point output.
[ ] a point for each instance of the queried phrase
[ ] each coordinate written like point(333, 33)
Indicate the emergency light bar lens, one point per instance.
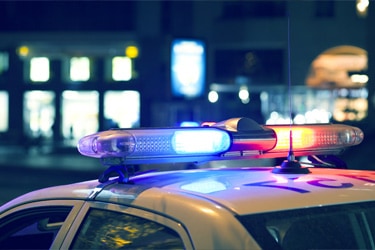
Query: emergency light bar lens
point(316, 137)
point(209, 141)
point(143, 143)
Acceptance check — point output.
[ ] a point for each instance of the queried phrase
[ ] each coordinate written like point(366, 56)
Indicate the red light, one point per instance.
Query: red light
point(316, 137)
point(302, 138)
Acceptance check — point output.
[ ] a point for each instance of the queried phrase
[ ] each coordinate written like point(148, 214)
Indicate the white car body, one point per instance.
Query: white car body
point(203, 205)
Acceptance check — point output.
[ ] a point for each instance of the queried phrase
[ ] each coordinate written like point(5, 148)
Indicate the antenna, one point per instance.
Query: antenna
point(290, 165)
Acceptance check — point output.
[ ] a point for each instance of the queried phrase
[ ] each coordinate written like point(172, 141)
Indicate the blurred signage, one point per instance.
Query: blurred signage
point(188, 67)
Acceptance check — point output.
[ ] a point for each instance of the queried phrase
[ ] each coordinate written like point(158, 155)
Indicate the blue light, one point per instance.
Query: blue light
point(189, 124)
point(200, 141)
point(148, 143)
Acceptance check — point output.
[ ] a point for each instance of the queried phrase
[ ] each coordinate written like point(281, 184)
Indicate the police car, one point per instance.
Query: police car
point(308, 204)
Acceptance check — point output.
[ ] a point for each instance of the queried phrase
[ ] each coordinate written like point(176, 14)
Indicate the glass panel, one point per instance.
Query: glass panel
point(4, 112)
point(32, 229)
point(80, 69)
point(306, 108)
point(253, 9)
point(39, 69)
point(121, 68)
point(39, 113)
point(112, 230)
point(79, 114)
point(244, 66)
point(121, 109)
point(347, 226)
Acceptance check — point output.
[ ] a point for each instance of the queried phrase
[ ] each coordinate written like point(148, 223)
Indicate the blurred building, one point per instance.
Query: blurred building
point(68, 69)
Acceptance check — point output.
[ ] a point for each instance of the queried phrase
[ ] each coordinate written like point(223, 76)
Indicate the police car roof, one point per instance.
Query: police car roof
point(241, 190)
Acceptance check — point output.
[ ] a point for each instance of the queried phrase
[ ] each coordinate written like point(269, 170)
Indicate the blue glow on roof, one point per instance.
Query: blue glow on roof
point(205, 186)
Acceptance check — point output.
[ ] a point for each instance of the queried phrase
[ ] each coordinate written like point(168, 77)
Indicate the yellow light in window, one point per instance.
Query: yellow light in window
point(39, 69)
point(23, 51)
point(131, 51)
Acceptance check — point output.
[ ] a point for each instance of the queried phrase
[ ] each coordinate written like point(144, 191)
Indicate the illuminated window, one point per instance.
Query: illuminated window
point(79, 69)
point(39, 69)
point(342, 72)
point(79, 114)
point(121, 68)
point(4, 111)
point(342, 66)
point(121, 109)
point(350, 104)
point(39, 113)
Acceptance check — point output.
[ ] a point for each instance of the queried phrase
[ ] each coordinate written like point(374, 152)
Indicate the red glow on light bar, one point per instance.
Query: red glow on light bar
point(316, 137)
point(302, 138)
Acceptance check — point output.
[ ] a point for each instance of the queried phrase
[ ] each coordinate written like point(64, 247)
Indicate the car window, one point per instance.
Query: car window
point(350, 226)
point(103, 229)
point(34, 228)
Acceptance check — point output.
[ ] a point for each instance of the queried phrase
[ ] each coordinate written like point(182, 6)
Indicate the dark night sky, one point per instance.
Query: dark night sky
point(67, 15)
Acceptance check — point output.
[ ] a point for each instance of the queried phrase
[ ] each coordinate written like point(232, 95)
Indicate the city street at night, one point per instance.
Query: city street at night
point(21, 173)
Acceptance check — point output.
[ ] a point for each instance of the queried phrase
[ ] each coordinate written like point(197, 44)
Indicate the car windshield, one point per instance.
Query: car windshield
point(348, 226)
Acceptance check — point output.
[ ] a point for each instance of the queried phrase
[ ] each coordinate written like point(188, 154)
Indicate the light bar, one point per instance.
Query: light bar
point(238, 138)
point(318, 138)
point(151, 143)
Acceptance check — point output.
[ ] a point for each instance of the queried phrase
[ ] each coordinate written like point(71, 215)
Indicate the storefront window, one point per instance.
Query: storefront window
point(79, 114)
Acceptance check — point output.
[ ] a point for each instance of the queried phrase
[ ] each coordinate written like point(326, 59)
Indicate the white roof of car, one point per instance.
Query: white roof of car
point(240, 190)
